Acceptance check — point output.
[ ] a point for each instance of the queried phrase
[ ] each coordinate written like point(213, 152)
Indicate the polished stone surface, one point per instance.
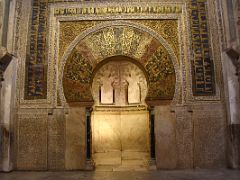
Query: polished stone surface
point(119, 132)
point(165, 142)
point(221, 174)
point(75, 156)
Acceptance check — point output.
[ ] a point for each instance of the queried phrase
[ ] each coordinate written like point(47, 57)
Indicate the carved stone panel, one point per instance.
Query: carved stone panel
point(32, 142)
point(119, 83)
point(106, 84)
point(75, 152)
point(209, 136)
point(165, 134)
point(184, 138)
point(56, 140)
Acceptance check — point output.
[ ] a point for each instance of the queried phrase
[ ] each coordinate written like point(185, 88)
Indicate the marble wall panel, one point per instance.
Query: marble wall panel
point(209, 135)
point(184, 137)
point(75, 157)
point(165, 135)
point(106, 131)
point(135, 131)
point(120, 131)
point(32, 142)
point(56, 140)
point(119, 135)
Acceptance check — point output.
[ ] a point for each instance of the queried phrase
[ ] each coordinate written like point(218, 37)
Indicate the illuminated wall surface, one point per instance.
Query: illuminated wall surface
point(120, 134)
point(119, 61)
point(201, 60)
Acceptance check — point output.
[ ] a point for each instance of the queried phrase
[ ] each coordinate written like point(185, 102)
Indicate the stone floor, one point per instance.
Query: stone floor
point(127, 175)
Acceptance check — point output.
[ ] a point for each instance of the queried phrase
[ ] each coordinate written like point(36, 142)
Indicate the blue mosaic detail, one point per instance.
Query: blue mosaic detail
point(202, 62)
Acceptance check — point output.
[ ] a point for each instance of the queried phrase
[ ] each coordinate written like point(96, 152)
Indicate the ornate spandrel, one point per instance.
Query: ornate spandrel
point(77, 77)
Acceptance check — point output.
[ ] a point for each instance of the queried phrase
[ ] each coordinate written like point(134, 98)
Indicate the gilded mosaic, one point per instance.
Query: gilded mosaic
point(116, 41)
point(77, 78)
point(69, 31)
point(202, 62)
point(168, 29)
point(161, 75)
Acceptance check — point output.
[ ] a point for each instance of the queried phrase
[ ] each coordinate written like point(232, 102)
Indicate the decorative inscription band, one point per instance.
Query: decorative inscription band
point(118, 10)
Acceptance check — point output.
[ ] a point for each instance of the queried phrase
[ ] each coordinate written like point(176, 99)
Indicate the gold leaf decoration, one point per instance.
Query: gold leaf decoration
point(114, 41)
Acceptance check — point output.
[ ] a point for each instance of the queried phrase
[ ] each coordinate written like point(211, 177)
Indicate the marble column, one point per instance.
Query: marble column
point(1, 129)
point(233, 80)
point(6, 106)
point(1, 19)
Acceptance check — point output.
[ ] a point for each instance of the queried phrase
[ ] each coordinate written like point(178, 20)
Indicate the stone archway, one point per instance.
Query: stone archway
point(92, 49)
point(127, 39)
point(120, 122)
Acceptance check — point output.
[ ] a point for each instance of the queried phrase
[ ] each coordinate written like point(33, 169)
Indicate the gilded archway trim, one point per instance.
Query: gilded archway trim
point(161, 48)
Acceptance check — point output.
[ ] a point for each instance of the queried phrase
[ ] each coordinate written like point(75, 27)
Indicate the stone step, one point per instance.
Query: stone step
point(104, 168)
point(134, 163)
point(108, 158)
point(135, 155)
point(130, 168)
point(108, 161)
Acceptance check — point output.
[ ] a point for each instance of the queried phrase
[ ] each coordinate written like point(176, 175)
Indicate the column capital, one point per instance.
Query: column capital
point(234, 53)
point(3, 51)
point(5, 59)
